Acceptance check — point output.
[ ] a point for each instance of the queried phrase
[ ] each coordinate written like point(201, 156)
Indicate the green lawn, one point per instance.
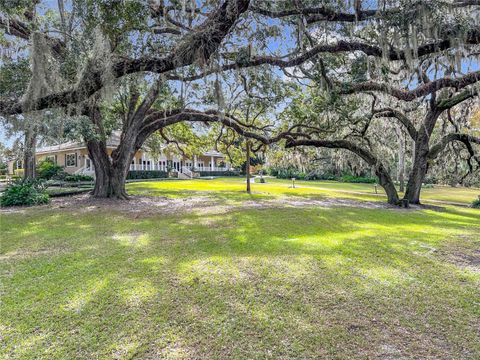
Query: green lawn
point(234, 189)
point(233, 280)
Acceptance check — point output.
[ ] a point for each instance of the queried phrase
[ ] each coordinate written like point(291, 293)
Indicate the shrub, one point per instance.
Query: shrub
point(287, 173)
point(24, 192)
point(476, 203)
point(358, 179)
point(47, 170)
point(272, 171)
point(431, 180)
point(146, 174)
point(18, 172)
point(78, 177)
point(320, 176)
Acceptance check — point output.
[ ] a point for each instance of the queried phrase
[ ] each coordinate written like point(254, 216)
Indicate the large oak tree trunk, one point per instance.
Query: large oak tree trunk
point(110, 175)
point(417, 175)
point(420, 162)
point(387, 184)
point(111, 169)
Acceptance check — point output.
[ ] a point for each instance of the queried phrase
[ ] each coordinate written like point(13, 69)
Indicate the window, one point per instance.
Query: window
point(71, 160)
point(52, 158)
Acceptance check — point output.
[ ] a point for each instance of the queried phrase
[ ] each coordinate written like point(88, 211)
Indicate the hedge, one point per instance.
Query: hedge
point(146, 174)
point(476, 203)
point(358, 179)
point(218, 173)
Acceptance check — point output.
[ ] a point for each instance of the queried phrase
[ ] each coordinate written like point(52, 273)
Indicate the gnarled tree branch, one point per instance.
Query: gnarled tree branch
point(196, 46)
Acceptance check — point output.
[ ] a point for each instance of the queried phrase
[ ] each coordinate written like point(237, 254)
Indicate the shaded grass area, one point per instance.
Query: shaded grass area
point(240, 283)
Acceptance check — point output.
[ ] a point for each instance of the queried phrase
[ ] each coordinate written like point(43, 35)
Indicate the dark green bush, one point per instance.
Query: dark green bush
point(24, 192)
point(431, 180)
point(320, 176)
point(291, 172)
point(358, 179)
point(476, 203)
point(78, 177)
point(47, 170)
point(218, 173)
point(286, 173)
point(146, 174)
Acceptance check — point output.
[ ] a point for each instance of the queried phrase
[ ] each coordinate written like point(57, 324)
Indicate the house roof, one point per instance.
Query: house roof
point(61, 147)
point(212, 153)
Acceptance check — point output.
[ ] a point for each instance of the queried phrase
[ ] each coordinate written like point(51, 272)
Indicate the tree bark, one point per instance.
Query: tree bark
point(247, 167)
point(420, 162)
point(387, 184)
point(401, 159)
point(29, 154)
point(111, 169)
point(110, 175)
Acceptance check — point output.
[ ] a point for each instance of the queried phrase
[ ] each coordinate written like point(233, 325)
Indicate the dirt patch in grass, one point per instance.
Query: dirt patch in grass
point(466, 256)
point(469, 260)
point(25, 253)
point(149, 205)
point(141, 206)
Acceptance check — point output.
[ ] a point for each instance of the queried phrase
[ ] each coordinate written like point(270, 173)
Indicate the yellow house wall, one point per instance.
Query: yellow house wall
point(81, 154)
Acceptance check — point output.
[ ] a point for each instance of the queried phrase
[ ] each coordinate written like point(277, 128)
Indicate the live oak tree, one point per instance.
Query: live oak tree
point(193, 35)
point(410, 51)
point(402, 51)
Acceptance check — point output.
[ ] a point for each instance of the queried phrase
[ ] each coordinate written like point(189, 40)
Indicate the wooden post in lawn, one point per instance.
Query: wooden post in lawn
point(247, 169)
